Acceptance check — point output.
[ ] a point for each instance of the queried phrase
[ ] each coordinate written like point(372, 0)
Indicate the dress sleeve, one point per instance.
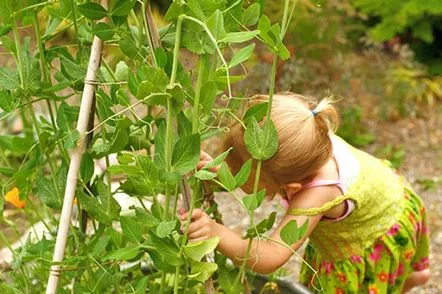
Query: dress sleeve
point(317, 210)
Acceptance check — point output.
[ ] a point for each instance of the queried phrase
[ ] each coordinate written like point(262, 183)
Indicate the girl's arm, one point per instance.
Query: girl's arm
point(266, 255)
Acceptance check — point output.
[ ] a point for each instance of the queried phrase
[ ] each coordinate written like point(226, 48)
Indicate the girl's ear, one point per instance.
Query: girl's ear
point(293, 188)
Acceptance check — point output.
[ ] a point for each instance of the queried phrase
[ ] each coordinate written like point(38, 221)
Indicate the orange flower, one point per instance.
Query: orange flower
point(372, 290)
point(383, 277)
point(342, 278)
point(13, 198)
point(408, 254)
point(339, 291)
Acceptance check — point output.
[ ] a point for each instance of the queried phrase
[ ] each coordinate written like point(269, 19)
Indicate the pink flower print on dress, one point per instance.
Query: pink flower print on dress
point(328, 267)
point(393, 230)
point(422, 264)
point(376, 255)
point(356, 259)
point(392, 278)
point(400, 270)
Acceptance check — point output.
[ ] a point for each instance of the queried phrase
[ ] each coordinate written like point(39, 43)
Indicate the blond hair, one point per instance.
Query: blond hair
point(303, 127)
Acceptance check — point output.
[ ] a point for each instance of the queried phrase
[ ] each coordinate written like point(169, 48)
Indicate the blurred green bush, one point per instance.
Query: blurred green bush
point(417, 22)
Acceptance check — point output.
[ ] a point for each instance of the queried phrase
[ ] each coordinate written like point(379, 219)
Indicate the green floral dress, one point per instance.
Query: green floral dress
point(376, 247)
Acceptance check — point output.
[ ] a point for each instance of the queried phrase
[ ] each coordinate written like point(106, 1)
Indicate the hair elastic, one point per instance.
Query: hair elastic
point(314, 112)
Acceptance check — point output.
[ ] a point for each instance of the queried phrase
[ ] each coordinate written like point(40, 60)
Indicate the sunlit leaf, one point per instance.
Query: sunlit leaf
point(92, 10)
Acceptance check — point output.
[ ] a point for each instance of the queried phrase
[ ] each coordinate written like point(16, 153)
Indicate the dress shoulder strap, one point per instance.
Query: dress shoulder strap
point(317, 210)
point(320, 183)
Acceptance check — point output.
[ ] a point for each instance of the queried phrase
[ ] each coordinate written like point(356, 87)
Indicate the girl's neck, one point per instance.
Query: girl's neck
point(329, 171)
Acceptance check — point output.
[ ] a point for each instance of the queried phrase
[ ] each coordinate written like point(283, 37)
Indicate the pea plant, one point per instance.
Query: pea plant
point(150, 110)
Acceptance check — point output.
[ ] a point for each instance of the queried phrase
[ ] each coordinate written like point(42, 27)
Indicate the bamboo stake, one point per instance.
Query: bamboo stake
point(74, 166)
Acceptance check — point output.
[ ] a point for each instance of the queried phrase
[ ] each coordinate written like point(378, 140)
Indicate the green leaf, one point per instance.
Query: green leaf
point(205, 175)
point(126, 253)
point(8, 171)
point(186, 154)
point(260, 146)
point(165, 228)
point(226, 177)
point(99, 207)
point(242, 55)
point(7, 102)
point(87, 167)
point(103, 31)
point(251, 14)
point(263, 226)
point(166, 249)
point(101, 245)
point(208, 96)
point(128, 46)
point(257, 111)
point(131, 228)
point(195, 7)
point(252, 202)
point(156, 81)
point(197, 250)
point(4, 29)
point(121, 71)
point(215, 23)
point(159, 157)
point(66, 117)
point(239, 37)
point(92, 10)
point(47, 193)
point(243, 175)
point(123, 7)
point(142, 285)
point(291, 234)
point(184, 124)
point(148, 168)
point(202, 271)
point(217, 161)
point(283, 52)
point(9, 80)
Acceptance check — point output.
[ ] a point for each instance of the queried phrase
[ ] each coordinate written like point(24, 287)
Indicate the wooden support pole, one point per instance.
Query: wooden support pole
point(74, 166)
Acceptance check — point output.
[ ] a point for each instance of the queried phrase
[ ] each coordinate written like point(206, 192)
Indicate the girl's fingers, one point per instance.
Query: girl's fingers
point(204, 156)
point(195, 226)
point(196, 214)
point(198, 239)
point(200, 234)
point(202, 163)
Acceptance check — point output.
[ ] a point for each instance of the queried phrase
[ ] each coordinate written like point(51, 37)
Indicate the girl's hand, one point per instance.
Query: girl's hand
point(202, 226)
point(205, 158)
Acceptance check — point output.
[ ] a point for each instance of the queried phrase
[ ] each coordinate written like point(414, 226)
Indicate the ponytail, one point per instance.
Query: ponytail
point(326, 111)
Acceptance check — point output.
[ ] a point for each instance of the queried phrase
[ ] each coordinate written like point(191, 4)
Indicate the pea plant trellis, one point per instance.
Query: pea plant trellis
point(153, 112)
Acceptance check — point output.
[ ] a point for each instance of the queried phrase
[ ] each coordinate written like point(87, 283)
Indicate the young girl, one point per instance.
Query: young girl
point(367, 229)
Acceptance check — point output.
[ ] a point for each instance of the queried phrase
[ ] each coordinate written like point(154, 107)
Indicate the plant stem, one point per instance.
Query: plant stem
point(196, 192)
point(271, 88)
point(196, 103)
point(148, 34)
point(284, 18)
point(18, 49)
point(74, 17)
point(240, 276)
point(176, 49)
